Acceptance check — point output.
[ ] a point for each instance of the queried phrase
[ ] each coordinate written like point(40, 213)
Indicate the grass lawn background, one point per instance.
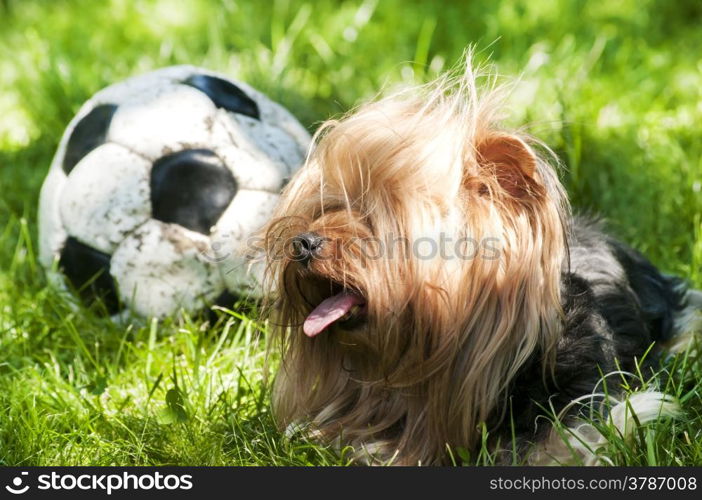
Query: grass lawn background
point(614, 87)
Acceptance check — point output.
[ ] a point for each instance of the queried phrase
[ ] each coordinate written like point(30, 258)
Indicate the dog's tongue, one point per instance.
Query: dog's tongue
point(329, 311)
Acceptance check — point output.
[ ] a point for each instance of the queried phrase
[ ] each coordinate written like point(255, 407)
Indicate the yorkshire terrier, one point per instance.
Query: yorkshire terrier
point(432, 290)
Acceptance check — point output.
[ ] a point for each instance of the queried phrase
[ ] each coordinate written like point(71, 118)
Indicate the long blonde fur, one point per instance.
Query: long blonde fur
point(445, 337)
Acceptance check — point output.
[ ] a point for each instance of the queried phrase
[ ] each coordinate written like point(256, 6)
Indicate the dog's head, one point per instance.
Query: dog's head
point(414, 263)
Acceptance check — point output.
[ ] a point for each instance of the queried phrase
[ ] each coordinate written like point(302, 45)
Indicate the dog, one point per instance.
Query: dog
point(404, 353)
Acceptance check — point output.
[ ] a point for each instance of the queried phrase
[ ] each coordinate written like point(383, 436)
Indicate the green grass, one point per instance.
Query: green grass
point(614, 87)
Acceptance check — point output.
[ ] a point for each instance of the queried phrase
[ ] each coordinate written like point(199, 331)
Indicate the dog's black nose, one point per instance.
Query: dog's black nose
point(305, 246)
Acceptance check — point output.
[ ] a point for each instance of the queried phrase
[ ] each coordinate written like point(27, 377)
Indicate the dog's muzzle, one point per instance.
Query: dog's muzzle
point(305, 246)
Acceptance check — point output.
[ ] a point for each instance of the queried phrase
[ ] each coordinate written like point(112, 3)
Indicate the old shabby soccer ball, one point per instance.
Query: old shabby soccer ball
point(156, 186)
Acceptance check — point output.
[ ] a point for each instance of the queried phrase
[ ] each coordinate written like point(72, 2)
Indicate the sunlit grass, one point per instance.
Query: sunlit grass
point(614, 87)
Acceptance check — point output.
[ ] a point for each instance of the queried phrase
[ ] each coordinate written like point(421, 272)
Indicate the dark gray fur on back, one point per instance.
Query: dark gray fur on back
point(616, 305)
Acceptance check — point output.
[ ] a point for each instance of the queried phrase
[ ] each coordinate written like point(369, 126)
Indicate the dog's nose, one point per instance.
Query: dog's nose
point(305, 246)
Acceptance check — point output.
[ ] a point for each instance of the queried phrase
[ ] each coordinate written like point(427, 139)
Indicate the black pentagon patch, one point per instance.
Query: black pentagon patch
point(88, 270)
point(89, 133)
point(192, 188)
point(225, 95)
point(226, 299)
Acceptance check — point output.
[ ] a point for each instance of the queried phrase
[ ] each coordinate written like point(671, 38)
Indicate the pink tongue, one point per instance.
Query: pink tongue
point(329, 311)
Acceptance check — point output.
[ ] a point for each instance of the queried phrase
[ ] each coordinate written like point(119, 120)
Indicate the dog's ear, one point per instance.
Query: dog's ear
point(511, 162)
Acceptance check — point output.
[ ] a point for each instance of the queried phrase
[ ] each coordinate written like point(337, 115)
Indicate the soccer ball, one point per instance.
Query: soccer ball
point(157, 186)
